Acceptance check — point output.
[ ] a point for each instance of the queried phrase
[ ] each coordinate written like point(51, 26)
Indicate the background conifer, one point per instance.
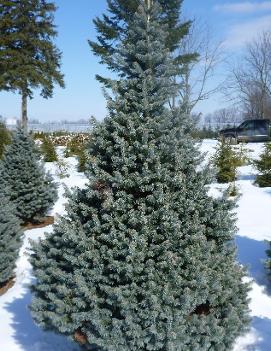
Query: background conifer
point(263, 165)
point(4, 138)
point(48, 150)
point(25, 180)
point(226, 162)
point(29, 58)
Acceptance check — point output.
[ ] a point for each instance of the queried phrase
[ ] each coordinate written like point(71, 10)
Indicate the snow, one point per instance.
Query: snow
point(19, 333)
point(17, 329)
point(254, 230)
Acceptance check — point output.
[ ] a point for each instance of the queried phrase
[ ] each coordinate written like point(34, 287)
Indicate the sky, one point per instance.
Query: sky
point(231, 22)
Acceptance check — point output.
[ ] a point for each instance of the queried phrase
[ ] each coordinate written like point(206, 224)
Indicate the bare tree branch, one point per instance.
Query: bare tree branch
point(198, 74)
point(249, 82)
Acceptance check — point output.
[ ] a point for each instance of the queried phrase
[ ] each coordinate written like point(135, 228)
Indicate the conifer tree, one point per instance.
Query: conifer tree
point(77, 147)
point(29, 58)
point(48, 150)
point(144, 259)
point(4, 138)
point(263, 165)
point(10, 239)
point(73, 147)
point(25, 180)
point(82, 159)
point(112, 28)
point(226, 162)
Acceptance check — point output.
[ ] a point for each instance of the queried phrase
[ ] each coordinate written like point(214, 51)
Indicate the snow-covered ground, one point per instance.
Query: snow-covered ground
point(19, 333)
point(254, 228)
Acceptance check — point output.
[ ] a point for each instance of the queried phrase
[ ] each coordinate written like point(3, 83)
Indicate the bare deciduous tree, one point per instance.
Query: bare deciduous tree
point(197, 75)
point(249, 82)
point(223, 118)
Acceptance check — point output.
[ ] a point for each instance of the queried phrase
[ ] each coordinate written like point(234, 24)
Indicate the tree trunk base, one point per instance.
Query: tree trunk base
point(49, 220)
point(80, 337)
point(4, 287)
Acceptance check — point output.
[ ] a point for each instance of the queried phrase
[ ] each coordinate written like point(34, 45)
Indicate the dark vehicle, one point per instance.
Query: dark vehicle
point(250, 130)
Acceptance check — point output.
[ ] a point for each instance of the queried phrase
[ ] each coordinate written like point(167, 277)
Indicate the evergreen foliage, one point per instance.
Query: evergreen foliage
point(233, 190)
point(73, 147)
point(10, 239)
point(268, 262)
point(226, 162)
point(112, 28)
point(62, 168)
point(25, 180)
point(39, 135)
point(4, 138)
point(242, 154)
point(77, 147)
point(82, 159)
point(29, 58)
point(48, 150)
point(144, 259)
point(263, 165)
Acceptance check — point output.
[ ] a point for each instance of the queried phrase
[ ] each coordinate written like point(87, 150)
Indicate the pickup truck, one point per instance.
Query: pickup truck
point(249, 131)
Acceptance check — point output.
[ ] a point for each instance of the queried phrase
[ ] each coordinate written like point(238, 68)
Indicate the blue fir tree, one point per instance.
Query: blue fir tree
point(25, 180)
point(4, 138)
point(144, 259)
point(10, 239)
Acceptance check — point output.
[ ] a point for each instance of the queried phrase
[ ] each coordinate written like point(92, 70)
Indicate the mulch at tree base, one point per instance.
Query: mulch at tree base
point(4, 287)
point(41, 224)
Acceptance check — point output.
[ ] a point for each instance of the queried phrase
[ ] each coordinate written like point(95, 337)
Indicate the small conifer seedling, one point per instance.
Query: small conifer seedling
point(48, 150)
point(226, 162)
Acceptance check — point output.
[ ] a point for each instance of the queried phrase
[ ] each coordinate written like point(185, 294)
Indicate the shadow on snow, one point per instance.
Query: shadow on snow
point(252, 254)
point(262, 328)
point(250, 177)
point(28, 335)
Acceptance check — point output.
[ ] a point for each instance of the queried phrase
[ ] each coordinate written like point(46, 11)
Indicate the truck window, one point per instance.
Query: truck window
point(247, 125)
point(260, 124)
point(261, 127)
